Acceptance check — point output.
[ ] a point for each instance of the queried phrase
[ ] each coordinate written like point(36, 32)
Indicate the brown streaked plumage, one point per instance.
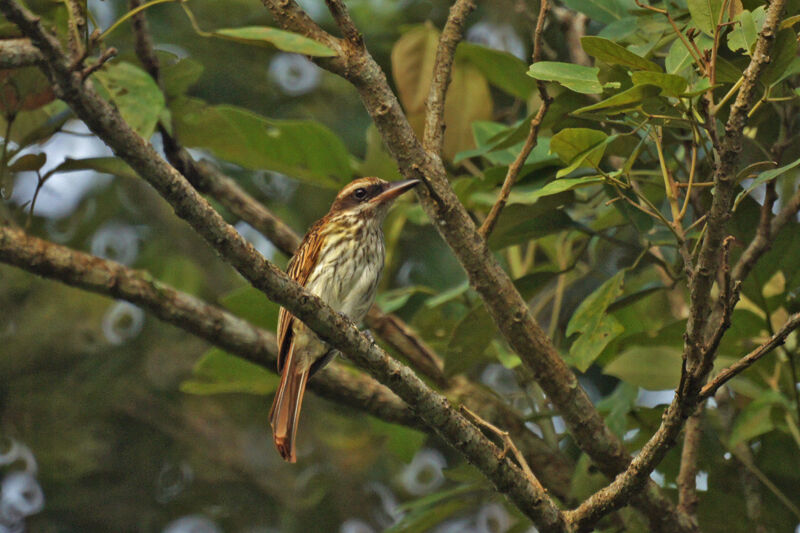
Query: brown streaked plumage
point(340, 260)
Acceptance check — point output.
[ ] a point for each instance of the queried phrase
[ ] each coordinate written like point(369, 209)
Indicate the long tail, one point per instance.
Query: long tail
point(286, 408)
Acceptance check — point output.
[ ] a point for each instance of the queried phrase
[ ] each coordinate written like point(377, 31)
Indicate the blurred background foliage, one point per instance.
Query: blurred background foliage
point(134, 425)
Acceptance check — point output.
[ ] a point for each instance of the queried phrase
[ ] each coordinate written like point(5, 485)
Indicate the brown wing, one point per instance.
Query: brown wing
point(300, 267)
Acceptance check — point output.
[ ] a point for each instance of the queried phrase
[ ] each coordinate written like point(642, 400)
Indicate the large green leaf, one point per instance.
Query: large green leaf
point(134, 93)
point(597, 328)
point(649, 367)
point(757, 418)
point(283, 40)
point(532, 194)
point(579, 147)
point(250, 304)
point(743, 36)
point(520, 223)
point(302, 149)
point(469, 341)
point(670, 84)
point(764, 177)
point(502, 69)
point(218, 372)
point(705, 14)
point(615, 54)
point(623, 101)
point(574, 77)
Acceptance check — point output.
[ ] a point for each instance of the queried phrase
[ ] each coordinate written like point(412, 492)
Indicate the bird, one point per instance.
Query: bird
point(340, 260)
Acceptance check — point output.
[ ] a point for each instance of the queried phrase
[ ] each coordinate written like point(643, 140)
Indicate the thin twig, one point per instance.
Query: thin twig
point(533, 134)
point(745, 362)
point(433, 136)
point(508, 444)
point(345, 22)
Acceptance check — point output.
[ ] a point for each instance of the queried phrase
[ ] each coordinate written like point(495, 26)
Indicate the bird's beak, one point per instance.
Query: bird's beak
point(394, 190)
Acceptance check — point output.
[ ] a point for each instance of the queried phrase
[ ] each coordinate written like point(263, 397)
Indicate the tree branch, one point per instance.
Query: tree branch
point(744, 363)
point(433, 136)
point(17, 53)
point(687, 487)
point(507, 307)
point(332, 327)
point(193, 315)
point(688, 394)
point(533, 134)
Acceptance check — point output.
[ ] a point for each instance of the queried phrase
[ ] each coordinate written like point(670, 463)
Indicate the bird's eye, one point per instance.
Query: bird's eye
point(360, 194)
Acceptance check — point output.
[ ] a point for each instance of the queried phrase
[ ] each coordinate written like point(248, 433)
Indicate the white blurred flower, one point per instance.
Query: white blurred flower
point(295, 74)
point(497, 36)
point(492, 518)
point(354, 525)
point(192, 524)
point(172, 480)
point(20, 496)
point(117, 242)
point(424, 473)
point(390, 512)
point(123, 321)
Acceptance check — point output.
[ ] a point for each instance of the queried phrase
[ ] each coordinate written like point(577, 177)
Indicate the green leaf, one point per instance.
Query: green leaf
point(615, 54)
point(617, 405)
point(134, 93)
point(757, 418)
point(424, 520)
point(502, 69)
point(469, 341)
point(574, 77)
point(218, 372)
point(250, 304)
point(784, 51)
point(743, 36)
point(649, 367)
point(532, 195)
point(28, 162)
point(400, 441)
point(517, 224)
point(447, 295)
point(378, 161)
point(178, 77)
point(705, 14)
point(280, 39)
point(623, 101)
point(104, 165)
point(678, 57)
point(597, 328)
point(391, 301)
point(670, 84)
point(579, 147)
point(302, 149)
point(764, 177)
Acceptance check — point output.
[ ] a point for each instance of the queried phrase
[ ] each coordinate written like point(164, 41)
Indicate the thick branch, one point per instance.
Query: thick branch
point(505, 304)
point(332, 327)
point(191, 314)
point(17, 53)
point(433, 137)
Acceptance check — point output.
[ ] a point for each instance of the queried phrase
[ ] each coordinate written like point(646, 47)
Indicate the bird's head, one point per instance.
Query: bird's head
point(369, 197)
